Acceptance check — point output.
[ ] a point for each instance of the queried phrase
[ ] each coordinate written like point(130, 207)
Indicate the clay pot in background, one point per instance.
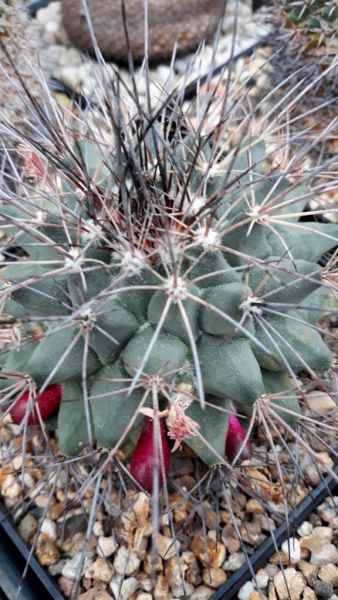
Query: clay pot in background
point(187, 21)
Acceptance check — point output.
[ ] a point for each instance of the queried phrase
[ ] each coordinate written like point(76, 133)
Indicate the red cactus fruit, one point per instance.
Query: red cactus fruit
point(234, 440)
point(48, 402)
point(142, 460)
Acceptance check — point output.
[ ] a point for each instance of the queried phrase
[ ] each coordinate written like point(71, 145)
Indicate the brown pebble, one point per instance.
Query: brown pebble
point(186, 481)
point(100, 569)
point(225, 516)
point(161, 591)
point(66, 586)
point(27, 527)
point(272, 592)
point(46, 550)
point(87, 583)
point(230, 539)
point(211, 518)
point(180, 508)
point(4, 472)
point(254, 506)
point(174, 570)
point(209, 552)
point(282, 557)
point(95, 594)
point(329, 573)
point(309, 571)
point(151, 567)
point(145, 582)
point(214, 577)
point(55, 511)
point(193, 575)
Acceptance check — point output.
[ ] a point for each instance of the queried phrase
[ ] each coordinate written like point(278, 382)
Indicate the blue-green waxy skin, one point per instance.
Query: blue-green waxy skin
point(281, 393)
point(213, 428)
point(45, 297)
point(228, 299)
point(174, 322)
point(112, 408)
point(247, 321)
point(50, 351)
point(114, 326)
point(72, 422)
point(168, 353)
point(229, 369)
point(283, 280)
point(296, 345)
point(210, 269)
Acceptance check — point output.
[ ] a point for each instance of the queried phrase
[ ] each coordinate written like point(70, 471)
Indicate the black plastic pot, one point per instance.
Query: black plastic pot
point(21, 576)
point(35, 5)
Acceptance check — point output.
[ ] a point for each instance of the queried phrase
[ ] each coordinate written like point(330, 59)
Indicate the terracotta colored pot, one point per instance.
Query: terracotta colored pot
point(187, 21)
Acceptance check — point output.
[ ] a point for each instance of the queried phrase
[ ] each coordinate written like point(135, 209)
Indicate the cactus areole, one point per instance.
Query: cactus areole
point(209, 302)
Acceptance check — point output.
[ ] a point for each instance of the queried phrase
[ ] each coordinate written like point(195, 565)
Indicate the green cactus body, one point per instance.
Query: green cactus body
point(122, 319)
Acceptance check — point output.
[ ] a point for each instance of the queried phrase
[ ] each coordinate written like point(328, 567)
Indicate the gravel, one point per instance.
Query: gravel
point(60, 60)
point(198, 547)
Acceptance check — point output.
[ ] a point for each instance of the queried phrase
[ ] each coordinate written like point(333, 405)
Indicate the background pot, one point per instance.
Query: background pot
point(184, 21)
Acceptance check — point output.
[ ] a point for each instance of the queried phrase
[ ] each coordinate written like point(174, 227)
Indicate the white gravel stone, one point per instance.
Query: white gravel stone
point(202, 593)
point(126, 561)
point(123, 590)
point(98, 529)
point(320, 402)
point(262, 579)
point(184, 590)
point(100, 569)
point(71, 58)
point(329, 573)
point(106, 546)
point(56, 569)
point(246, 591)
point(318, 538)
point(333, 502)
point(10, 487)
point(327, 554)
point(167, 546)
point(305, 529)
point(271, 569)
point(234, 562)
point(291, 548)
point(289, 584)
point(52, 27)
point(72, 566)
point(69, 75)
point(27, 480)
point(49, 528)
point(27, 527)
point(49, 14)
point(163, 73)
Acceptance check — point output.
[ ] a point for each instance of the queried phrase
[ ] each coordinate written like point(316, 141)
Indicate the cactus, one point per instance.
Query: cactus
point(164, 281)
point(315, 20)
